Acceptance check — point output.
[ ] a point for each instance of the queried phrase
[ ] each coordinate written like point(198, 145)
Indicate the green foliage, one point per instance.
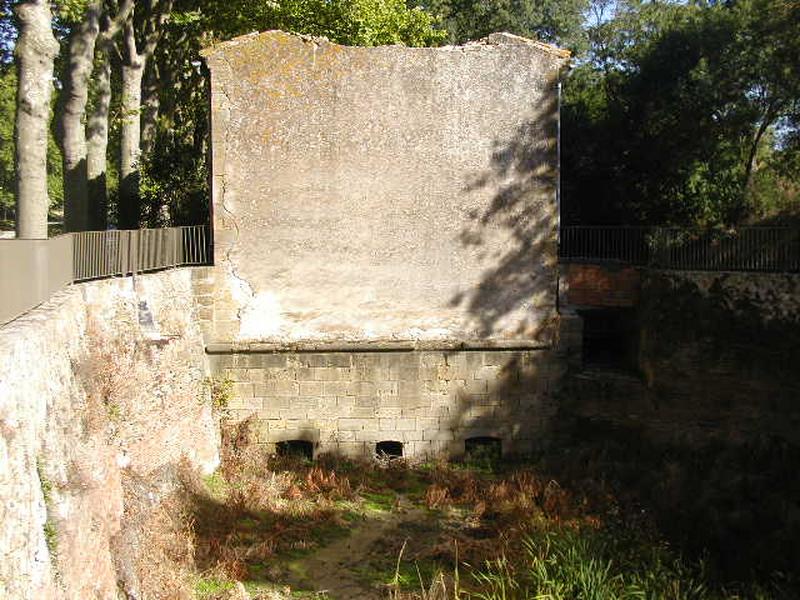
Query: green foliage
point(555, 21)
point(70, 11)
point(8, 98)
point(51, 538)
point(211, 587)
point(44, 481)
point(351, 22)
point(674, 108)
point(221, 390)
point(49, 528)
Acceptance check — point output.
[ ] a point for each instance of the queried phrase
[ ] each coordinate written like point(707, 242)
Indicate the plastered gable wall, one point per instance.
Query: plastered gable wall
point(385, 241)
point(388, 193)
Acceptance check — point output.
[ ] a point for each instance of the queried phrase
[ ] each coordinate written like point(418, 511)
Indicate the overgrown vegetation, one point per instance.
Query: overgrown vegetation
point(221, 391)
point(281, 527)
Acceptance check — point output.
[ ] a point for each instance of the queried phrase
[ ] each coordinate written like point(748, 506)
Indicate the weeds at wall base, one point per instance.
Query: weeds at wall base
point(49, 529)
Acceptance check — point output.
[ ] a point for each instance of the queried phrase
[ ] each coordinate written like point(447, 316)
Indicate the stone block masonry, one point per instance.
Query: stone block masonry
point(100, 387)
point(431, 401)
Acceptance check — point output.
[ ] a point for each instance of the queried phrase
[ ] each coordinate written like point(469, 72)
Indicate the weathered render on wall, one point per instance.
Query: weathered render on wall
point(389, 193)
point(101, 385)
point(385, 241)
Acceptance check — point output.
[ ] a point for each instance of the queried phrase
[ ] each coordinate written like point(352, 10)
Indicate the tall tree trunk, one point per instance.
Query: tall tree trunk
point(35, 52)
point(72, 133)
point(752, 155)
point(133, 67)
point(98, 117)
point(130, 134)
point(150, 105)
point(97, 140)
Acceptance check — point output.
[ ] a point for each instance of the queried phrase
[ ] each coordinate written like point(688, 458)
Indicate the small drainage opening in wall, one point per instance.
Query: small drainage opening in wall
point(389, 449)
point(483, 448)
point(296, 448)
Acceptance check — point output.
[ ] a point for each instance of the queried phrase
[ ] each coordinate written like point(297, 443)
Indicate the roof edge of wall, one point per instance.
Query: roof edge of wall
point(501, 38)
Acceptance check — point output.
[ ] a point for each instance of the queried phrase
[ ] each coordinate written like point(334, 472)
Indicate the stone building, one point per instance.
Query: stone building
point(385, 241)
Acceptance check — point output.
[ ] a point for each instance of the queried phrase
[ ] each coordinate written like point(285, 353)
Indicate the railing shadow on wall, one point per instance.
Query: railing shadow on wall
point(31, 271)
point(756, 249)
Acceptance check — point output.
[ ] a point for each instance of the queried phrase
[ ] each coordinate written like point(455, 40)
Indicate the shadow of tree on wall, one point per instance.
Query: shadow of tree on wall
point(521, 179)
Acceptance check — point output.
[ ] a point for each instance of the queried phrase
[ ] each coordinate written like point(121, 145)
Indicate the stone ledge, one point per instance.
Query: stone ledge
point(222, 347)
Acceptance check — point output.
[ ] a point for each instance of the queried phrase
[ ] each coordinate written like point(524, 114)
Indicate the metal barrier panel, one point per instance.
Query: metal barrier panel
point(126, 252)
point(31, 271)
point(761, 249)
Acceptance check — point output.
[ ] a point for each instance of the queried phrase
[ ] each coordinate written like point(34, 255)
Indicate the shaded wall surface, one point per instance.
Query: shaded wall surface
point(717, 357)
point(706, 435)
point(384, 193)
point(100, 387)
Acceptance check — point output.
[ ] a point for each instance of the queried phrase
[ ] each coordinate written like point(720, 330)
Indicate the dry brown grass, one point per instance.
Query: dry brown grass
point(269, 507)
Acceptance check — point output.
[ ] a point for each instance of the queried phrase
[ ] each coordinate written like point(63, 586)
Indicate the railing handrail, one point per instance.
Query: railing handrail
point(679, 228)
point(747, 248)
point(117, 252)
point(89, 255)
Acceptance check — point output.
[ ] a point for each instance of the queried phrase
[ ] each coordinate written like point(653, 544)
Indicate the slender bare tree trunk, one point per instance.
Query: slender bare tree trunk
point(130, 134)
point(133, 68)
point(97, 140)
point(72, 133)
point(35, 52)
point(150, 106)
point(98, 117)
point(752, 155)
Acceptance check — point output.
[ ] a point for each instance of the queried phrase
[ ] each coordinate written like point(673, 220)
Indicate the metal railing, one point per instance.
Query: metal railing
point(33, 270)
point(763, 249)
point(109, 253)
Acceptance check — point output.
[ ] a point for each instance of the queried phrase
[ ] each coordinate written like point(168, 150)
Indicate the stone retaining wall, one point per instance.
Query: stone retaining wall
point(103, 383)
point(431, 401)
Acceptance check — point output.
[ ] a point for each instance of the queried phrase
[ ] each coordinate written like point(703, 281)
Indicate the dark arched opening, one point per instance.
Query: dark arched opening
point(297, 448)
point(483, 448)
point(389, 449)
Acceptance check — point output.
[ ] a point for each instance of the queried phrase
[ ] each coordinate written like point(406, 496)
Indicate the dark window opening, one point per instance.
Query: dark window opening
point(483, 448)
point(389, 449)
point(610, 339)
point(296, 448)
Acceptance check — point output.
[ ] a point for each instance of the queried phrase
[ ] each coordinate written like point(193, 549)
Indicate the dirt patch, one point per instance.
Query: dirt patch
point(338, 570)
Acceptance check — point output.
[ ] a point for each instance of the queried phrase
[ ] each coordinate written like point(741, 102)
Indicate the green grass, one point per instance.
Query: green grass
point(379, 501)
point(207, 587)
point(216, 485)
point(594, 564)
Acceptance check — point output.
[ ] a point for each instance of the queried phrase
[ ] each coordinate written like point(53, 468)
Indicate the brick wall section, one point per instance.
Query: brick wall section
point(346, 402)
point(600, 285)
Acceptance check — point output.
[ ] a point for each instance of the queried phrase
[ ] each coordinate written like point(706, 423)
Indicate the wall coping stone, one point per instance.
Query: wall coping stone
point(381, 346)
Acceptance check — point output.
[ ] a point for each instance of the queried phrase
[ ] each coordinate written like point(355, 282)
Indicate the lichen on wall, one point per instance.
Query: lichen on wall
point(103, 384)
point(383, 194)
